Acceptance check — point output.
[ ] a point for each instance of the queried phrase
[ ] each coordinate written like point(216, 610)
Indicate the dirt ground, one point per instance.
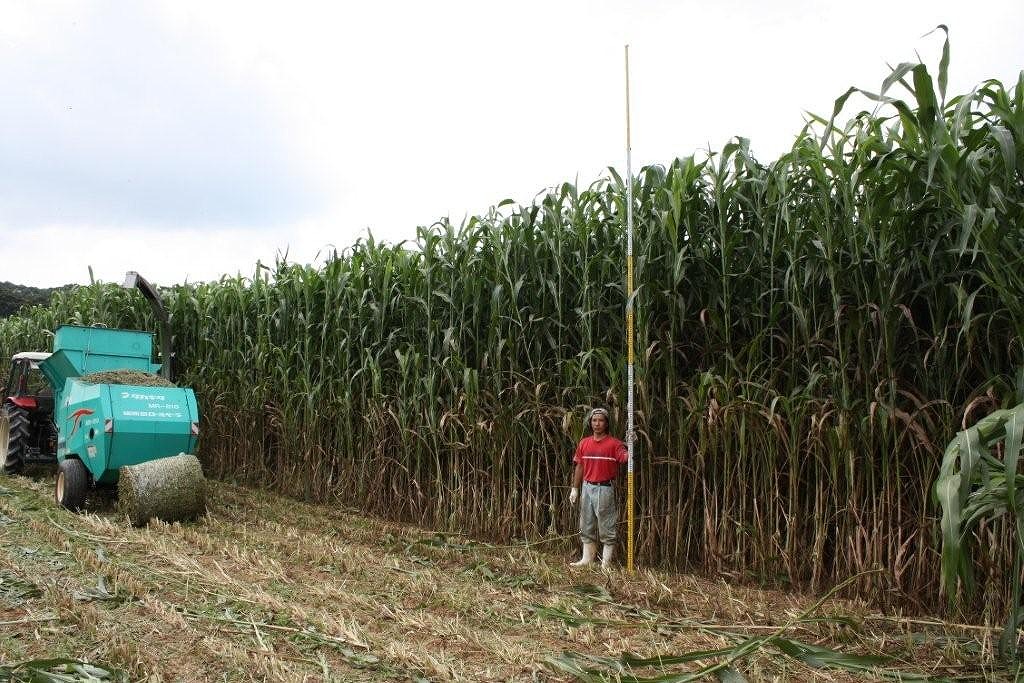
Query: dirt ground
point(264, 588)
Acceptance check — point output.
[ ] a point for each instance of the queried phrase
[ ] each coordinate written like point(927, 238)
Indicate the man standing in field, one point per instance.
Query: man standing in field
point(597, 459)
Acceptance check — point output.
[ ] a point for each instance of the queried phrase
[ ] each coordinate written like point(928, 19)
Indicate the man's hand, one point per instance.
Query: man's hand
point(574, 495)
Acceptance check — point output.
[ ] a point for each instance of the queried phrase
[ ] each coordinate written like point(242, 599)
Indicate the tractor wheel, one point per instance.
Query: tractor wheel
point(14, 433)
point(72, 484)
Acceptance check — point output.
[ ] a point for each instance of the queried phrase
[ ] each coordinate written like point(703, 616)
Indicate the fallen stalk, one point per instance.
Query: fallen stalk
point(760, 642)
point(933, 622)
point(29, 620)
point(251, 624)
point(90, 537)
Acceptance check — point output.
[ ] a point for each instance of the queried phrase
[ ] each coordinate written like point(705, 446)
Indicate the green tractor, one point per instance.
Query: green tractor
point(97, 407)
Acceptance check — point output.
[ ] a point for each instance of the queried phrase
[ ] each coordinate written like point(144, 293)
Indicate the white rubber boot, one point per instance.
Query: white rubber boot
point(589, 551)
point(607, 553)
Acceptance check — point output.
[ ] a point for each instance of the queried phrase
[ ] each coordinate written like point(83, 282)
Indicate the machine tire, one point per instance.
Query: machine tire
point(72, 484)
point(14, 434)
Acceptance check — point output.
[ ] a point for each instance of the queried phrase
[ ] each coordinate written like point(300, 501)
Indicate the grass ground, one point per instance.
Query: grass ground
point(267, 588)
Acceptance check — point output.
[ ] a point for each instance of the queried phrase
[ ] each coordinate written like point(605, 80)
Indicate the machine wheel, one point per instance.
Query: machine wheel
point(72, 484)
point(14, 433)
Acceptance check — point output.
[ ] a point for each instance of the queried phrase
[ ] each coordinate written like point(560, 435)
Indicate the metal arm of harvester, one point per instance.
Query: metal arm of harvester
point(133, 280)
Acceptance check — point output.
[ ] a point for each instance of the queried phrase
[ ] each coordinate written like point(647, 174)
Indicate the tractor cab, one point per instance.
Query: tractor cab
point(27, 434)
point(26, 384)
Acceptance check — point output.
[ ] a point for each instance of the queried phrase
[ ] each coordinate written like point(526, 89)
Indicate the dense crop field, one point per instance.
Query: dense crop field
point(265, 588)
point(811, 333)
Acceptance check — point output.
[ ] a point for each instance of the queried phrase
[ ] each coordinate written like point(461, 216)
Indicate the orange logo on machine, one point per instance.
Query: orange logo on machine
point(77, 417)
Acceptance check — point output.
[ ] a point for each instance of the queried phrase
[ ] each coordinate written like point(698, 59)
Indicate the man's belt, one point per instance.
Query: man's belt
point(607, 482)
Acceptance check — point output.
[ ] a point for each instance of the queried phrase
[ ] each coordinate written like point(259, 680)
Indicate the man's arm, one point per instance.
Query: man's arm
point(577, 480)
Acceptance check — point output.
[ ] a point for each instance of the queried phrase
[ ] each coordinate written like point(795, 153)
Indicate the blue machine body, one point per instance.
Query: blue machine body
point(108, 426)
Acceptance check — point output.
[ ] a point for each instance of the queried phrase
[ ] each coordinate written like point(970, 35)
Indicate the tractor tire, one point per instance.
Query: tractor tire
point(72, 484)
point(14, 434)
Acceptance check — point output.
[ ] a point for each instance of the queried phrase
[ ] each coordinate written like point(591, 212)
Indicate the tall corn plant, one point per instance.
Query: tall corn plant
point(974, 486)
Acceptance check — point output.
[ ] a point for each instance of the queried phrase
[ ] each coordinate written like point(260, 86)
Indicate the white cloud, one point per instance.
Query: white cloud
point(112, 119)
point(259, 127)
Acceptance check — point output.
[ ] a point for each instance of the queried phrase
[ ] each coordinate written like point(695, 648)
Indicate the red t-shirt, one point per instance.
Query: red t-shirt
point(600, 458)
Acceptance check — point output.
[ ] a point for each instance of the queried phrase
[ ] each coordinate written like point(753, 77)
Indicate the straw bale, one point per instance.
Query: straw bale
point(170, 489)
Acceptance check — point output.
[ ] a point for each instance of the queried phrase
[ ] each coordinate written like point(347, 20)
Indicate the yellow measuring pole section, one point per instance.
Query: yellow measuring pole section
point(629, 332)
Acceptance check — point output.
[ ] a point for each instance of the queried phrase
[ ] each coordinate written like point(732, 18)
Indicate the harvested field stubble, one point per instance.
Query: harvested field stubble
point(267, 588)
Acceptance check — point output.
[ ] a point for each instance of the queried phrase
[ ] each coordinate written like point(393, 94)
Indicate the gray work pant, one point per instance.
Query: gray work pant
point(599, 514)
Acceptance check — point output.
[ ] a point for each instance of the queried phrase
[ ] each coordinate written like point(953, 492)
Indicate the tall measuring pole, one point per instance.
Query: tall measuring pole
point(629, 332)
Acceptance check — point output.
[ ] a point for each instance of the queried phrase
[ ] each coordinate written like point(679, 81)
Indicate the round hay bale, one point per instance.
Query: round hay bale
point(135, 378)
point(171, 489)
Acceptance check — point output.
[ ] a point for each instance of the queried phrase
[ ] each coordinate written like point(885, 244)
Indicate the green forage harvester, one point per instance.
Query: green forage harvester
point(119, 423)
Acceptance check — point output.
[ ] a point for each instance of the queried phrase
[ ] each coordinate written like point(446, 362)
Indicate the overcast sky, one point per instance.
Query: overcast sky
point(187, 140)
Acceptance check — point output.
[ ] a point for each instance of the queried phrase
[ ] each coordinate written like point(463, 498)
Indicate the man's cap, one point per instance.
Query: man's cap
point(597, 411)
